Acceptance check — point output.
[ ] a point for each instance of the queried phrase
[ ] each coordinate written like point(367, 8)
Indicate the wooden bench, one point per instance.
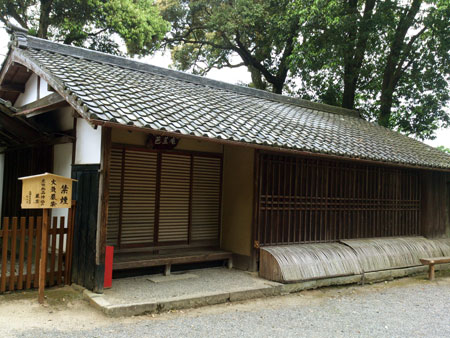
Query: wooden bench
point(132, 260)
point(431, 262)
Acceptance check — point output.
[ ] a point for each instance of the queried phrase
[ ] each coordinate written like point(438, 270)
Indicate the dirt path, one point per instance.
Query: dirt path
point(66, 313)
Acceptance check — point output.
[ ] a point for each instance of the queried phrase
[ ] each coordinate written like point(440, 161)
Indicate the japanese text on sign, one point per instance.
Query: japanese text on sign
point(161, 142)
point(46, 191)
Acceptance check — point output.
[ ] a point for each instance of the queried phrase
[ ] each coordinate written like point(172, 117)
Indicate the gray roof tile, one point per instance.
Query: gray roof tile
point(150, 97)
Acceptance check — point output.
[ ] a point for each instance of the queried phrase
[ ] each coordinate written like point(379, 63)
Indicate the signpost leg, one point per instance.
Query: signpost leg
point(43, 261)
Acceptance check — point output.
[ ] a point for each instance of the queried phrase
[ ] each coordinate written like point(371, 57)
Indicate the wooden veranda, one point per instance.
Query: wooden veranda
point(143, 258)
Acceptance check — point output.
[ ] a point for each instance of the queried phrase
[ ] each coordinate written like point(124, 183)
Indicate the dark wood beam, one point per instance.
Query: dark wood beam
point(6, 139)
point(43, 105)
point(13, 87)
point(20, 129)
point(43, 141)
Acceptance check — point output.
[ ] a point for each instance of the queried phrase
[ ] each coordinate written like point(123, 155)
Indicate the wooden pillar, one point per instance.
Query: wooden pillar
point(43, 260)
point(104, 195)
point(253, 266)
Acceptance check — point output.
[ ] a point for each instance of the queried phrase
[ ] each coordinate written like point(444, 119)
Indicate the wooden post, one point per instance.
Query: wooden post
point(45, 191)
point(43, 261)
point(431, 272)
point(104, 199)
point(167, 269)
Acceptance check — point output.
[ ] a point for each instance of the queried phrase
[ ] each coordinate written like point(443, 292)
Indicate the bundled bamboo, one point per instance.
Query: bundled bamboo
point(444, 245)
point(292, 263)
point(376, 254)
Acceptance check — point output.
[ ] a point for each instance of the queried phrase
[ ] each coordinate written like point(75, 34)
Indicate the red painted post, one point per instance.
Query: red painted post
point(109, 254)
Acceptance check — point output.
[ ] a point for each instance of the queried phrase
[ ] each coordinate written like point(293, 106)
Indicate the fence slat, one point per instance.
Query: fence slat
point(60, 249)
point(30, 251)
point(24, 234)
point(52, 231)
point(21, 252)
point(37, 252)
point(4, 253)
point(12, 266)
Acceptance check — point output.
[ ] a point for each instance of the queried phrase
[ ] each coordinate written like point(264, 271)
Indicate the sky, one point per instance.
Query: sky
point(233, 76)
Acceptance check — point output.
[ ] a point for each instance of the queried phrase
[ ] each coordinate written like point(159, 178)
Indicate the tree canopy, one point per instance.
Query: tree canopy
point(388, 58)
point(91, 23)
point(207, 33)
point(444, 149)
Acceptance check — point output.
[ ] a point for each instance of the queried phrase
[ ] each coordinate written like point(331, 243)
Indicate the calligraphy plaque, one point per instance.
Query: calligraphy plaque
point(161, 142)
point(46, 191)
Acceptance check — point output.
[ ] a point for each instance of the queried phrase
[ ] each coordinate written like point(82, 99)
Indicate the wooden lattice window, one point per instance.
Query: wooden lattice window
point(164, 198)
point(304, 200)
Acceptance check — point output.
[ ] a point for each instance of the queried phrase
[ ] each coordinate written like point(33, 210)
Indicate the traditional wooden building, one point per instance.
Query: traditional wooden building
point(173, 167)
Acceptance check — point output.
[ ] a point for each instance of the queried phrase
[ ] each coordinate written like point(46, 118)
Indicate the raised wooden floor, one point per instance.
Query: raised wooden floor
point(141, 259)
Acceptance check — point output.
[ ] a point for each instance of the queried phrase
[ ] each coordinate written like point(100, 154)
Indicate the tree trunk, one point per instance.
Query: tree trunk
point(44, 18)
point(277, 87)
point(394, 63)
point(257, 80)
point(350, 81)
point(358, 35)
point(385, 107)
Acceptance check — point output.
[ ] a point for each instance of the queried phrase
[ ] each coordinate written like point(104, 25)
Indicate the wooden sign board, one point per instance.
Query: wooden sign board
point(46, 191)
point(161, 142)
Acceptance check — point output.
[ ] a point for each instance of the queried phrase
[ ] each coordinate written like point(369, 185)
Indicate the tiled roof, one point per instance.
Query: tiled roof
point(109, 88)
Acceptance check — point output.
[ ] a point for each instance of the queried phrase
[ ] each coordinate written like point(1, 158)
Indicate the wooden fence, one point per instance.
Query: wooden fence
point(20, 251)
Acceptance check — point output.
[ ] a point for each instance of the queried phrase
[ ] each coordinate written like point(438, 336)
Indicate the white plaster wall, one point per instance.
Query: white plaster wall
point(2, 170)
point(30, 93)
point(43, 92)
point(89, 143)
point(62, 165)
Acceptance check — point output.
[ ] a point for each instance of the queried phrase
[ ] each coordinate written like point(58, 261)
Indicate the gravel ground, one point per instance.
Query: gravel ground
point(409, 307)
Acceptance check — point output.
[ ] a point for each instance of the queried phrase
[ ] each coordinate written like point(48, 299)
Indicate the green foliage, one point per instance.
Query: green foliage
point(96, 24)
point(402, 79)
point(444, 149)
point(208, 33)
point(390, 59)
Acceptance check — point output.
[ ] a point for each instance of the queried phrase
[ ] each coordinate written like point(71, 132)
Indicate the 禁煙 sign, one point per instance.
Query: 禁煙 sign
point(46, 191)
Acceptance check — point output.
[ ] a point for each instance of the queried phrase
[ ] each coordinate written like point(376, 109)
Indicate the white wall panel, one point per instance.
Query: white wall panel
point(31, 90)
point(62, 165)
point(89, 142)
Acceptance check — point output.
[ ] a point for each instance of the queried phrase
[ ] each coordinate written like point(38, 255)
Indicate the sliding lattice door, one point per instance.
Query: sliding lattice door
point(303, 200)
